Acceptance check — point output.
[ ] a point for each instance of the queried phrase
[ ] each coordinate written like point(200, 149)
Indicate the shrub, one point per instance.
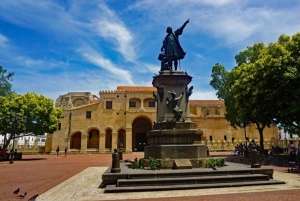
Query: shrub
point(137, 164)
point(212, 162)
point(155, 163)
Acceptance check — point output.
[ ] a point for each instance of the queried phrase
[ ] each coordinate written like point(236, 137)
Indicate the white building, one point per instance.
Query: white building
point(31, 138)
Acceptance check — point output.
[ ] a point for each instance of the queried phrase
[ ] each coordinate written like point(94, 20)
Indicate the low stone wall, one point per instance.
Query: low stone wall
point(30, 149)
point(230, 146)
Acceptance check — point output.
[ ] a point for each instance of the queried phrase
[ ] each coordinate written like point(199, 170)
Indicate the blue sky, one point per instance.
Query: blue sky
point(55, 47)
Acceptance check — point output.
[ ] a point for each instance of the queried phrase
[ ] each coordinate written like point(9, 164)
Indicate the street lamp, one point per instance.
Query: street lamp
point(15, 119)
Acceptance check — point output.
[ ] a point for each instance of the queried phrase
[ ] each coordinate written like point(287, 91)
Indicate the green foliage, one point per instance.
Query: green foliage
point(137, 164)
point(5, 85)
point(42, 116)
point(215, 162)
point(155, 163)
point(264, 87)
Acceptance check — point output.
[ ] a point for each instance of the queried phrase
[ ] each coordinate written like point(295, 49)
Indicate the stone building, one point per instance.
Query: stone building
point(209, 115)
point(121, 118)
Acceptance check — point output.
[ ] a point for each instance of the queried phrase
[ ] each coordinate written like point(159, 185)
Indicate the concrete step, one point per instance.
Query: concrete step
point(196, 173)
point(115, 189)
point(191, 180)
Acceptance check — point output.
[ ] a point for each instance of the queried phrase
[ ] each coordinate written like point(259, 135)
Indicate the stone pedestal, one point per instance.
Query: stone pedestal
point(174, 139)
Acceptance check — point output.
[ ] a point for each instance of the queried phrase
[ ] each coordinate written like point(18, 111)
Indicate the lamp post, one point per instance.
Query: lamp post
point(15, 119)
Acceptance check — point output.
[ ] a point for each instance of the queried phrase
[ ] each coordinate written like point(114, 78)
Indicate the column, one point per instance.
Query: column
point(114, 141)
point(16, 144)
point(83, 149)
point(102, 143)
point(128, 140)
point(35, 145)
point(26, 144)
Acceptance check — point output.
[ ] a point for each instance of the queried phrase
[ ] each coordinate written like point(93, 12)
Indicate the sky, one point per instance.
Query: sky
point(60, 46)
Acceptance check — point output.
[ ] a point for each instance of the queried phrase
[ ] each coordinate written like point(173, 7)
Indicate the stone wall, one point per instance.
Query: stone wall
point(107, 125)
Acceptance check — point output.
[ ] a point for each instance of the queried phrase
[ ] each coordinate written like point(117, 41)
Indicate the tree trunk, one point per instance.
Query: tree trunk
point(261, 136)
point(7, 141)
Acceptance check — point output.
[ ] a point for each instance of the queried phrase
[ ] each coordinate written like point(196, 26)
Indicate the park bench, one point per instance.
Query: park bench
point(4, 158)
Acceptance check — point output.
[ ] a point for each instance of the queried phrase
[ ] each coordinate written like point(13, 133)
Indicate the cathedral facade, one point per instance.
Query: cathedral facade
point(122, 117)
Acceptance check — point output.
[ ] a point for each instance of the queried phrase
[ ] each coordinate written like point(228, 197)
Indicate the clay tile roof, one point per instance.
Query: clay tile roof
point(95, 101)
point(135, 88)
point(207, 102)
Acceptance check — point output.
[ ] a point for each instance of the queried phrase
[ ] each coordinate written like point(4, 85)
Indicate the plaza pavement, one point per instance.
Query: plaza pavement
point(77, 177)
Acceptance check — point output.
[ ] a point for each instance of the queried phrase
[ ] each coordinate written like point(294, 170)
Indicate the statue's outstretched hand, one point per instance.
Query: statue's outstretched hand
point(187, 21)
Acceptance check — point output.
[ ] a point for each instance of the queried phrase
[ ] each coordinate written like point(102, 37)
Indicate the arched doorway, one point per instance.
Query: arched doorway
point(140, 127)
point(75, 141)
point(122, 139)
point(93, 139)
point(108, 139)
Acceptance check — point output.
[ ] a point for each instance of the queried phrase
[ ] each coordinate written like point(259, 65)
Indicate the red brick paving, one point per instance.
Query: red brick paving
point(37, 174)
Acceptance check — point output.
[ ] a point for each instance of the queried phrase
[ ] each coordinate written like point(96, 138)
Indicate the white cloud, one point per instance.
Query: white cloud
point(217, 3)
point(120, 35)
point(3, 41)
point(150, 67)
point(30, 65)
point(53, 85)
point(98, 60)
point(200, 56)
point(229, 21)
point(110, 27)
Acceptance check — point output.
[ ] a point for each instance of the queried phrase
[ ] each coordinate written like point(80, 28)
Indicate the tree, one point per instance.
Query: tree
point(264, 86)
point(222, 81)
point(42, 116)
point(5, 77)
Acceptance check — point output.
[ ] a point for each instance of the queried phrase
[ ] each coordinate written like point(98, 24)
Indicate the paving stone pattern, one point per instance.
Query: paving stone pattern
point(42, 174)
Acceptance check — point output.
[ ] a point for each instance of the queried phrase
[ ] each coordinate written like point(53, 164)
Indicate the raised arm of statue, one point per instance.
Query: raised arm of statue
point(180, 30)
point(179, 97)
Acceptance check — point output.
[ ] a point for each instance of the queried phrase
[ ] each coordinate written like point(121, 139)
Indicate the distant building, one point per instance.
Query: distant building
point(122, 117)
point(282, 134)
point(41, 139)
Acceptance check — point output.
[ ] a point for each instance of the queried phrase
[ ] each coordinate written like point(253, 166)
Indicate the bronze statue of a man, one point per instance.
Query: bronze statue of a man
point(174, 105)
point(172, 48)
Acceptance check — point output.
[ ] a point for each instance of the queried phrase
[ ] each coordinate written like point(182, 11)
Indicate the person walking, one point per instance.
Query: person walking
point(57, 152)
point(66, 152)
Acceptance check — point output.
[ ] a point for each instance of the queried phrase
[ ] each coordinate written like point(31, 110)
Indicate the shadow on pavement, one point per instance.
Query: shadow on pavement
point(32, 159)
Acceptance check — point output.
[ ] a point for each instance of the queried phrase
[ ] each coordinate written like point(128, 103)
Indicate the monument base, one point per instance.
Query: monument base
point(185, 151)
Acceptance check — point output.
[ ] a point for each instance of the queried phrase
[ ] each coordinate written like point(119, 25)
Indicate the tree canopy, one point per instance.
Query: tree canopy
point(264, 87)
point(42, 116)
point(5, 85)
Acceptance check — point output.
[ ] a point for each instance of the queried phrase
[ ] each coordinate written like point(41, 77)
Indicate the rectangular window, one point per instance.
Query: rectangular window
point(225, 137)
point(59, 126)
point(88, 114)
point(151, 104)
point(43, 140)
point(108, 105)
point(210, 138)
point(132, 104)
